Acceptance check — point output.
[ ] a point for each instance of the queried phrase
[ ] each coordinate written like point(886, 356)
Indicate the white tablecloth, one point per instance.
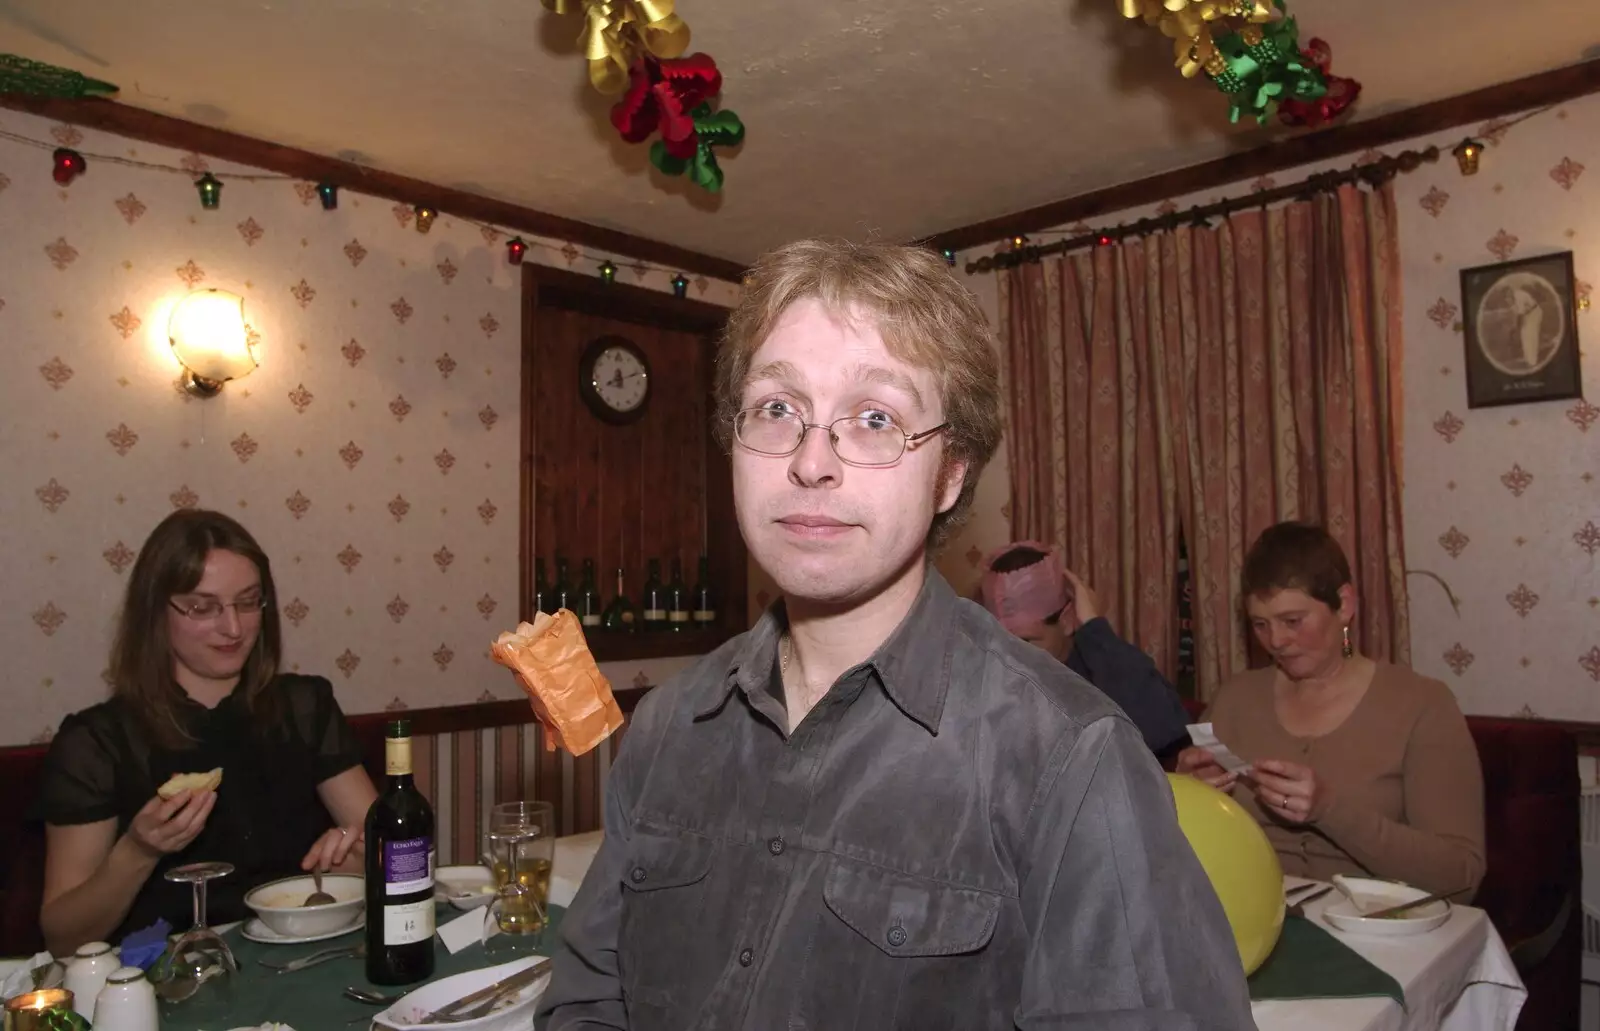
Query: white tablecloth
point(1456, 978)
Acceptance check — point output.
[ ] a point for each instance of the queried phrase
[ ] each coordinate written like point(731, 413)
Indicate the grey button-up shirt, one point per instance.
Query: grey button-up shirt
point(962, 834)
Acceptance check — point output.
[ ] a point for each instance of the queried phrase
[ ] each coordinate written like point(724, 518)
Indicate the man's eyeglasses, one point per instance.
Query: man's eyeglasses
point(863, 440)
point(208, 609)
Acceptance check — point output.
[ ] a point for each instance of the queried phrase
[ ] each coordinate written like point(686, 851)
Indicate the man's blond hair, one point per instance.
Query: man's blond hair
point(927, 319)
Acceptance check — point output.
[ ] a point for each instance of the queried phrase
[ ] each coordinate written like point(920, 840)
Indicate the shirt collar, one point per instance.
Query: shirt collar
point(912, 664)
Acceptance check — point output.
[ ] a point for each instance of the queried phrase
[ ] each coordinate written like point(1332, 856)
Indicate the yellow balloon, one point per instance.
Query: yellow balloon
point(1240, 862)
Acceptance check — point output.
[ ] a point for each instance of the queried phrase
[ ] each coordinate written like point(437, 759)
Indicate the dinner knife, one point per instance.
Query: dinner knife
point(1402, 907)
point(521, 979)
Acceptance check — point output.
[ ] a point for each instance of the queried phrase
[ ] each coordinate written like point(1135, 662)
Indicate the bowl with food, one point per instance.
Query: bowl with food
point(1368, 908)
point(464, 887)
point(281, 905)
point(497, 998)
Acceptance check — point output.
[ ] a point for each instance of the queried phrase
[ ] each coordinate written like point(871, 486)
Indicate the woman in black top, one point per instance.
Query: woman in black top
point(195, 686)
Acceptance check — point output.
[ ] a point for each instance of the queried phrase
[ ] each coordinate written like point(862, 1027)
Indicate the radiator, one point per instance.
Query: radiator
point(1589, 821)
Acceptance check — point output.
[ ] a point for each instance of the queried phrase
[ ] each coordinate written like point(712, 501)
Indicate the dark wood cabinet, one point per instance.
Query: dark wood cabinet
point(657, 486)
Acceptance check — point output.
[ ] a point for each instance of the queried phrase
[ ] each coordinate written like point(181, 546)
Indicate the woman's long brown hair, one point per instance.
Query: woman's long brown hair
point(171, 562)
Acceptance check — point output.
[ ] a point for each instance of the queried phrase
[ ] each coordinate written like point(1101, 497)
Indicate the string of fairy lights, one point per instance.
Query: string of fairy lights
point(1467, 153)
point(67, 164)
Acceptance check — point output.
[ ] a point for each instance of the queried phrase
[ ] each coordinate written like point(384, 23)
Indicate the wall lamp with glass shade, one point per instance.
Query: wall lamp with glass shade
point(210, 340)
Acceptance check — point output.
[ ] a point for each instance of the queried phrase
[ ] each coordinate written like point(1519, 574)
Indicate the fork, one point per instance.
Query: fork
point(312, 960)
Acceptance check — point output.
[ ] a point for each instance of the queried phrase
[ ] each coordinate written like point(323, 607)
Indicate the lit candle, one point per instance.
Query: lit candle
point(40, 1010)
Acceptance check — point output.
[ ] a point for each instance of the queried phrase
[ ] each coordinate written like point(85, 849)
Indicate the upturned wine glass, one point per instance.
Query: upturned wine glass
point(197, 972)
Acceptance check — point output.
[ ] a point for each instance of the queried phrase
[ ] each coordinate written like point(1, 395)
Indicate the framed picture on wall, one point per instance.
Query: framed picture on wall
point(1521, 331)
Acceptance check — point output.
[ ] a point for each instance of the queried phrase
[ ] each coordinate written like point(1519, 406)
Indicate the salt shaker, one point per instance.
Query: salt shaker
point(126, 1003)
point(87, 971)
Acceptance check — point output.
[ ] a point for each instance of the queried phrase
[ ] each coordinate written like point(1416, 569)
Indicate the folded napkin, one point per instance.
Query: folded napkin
point(1310, 963)
point(143, 947)
point(20, 980)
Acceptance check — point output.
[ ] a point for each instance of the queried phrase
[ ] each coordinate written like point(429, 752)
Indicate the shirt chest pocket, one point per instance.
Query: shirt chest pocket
point(881, 944)
point(664, 902)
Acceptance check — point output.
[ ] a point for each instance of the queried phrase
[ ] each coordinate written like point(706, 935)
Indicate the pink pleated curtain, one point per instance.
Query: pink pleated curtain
point(1216, 380)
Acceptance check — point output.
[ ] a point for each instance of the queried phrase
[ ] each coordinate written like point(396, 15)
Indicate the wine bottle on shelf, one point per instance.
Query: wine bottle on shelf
point(562, 596)
point(677, 599)
point(618, 616)
point(400, 858)
point(704, 613)
point(543, 598)
point(654, 602)
point(589, 607)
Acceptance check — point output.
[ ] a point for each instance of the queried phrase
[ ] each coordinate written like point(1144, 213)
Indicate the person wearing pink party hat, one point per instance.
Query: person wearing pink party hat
point(1028, 589)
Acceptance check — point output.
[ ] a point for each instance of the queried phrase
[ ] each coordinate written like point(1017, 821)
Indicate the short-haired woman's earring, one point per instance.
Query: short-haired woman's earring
point(1348, 651)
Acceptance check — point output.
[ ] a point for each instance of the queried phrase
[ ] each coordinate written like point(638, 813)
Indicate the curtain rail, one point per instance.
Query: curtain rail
point(1374, 173)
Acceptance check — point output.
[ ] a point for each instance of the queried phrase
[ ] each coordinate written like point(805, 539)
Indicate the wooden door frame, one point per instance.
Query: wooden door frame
point(543, 286)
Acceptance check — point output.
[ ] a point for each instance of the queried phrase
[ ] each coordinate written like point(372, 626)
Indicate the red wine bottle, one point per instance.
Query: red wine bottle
point(400, 858)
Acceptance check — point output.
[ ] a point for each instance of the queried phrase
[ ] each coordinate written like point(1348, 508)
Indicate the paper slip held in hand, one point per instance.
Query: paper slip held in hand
point(1204, 737)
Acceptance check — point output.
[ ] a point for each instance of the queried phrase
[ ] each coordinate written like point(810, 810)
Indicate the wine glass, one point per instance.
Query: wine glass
point(521, 849)
point(197, 972)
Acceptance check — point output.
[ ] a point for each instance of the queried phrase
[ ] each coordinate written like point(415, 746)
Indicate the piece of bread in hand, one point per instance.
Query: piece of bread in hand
point(190, 782)
point(569, 694)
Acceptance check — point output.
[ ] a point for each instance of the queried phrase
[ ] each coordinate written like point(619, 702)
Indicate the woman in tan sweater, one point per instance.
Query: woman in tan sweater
point(1358, 767)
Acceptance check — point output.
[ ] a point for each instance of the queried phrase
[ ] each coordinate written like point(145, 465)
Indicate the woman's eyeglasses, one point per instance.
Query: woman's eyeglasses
point(208, 609)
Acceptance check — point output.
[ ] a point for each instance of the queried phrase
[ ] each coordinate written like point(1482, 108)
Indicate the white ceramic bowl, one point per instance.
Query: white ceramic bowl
point(281, 904)
point(464, 887)
point(1374, 895)
point(514, 1014)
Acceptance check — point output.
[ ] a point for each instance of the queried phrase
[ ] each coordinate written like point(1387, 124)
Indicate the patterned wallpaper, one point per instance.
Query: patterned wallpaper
point(1501, 504)
point(374, 453)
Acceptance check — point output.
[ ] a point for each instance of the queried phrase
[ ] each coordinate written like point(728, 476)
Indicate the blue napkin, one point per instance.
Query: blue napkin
point(143, 947)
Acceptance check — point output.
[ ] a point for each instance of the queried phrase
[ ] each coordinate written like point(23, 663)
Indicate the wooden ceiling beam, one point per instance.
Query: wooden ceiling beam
point(179, 134)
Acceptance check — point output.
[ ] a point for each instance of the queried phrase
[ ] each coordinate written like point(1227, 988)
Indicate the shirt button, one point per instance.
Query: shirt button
point(637, 875)
point(897, 936)
point(775, 846)
point(746, 958)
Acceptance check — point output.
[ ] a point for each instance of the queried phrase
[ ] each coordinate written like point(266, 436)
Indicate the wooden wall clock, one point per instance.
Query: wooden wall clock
point(614, 379)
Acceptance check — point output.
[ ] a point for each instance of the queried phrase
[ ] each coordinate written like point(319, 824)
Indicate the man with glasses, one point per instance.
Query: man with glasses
point(878, 809)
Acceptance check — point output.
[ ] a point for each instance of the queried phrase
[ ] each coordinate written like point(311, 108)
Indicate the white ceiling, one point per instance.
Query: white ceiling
point(900, 118)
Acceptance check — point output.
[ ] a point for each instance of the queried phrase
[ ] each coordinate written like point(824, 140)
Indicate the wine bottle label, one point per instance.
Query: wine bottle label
point(408, 923)
point(655, 614)
point(678, 616)
point(397, 756)
point(627, 617)
point(592, 619)
point(408, 866)
point(705, 615)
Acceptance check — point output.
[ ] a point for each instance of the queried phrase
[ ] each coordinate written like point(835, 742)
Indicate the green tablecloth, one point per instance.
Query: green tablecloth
point(312, 999)
point(1307, 963)
point(1310, 963)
